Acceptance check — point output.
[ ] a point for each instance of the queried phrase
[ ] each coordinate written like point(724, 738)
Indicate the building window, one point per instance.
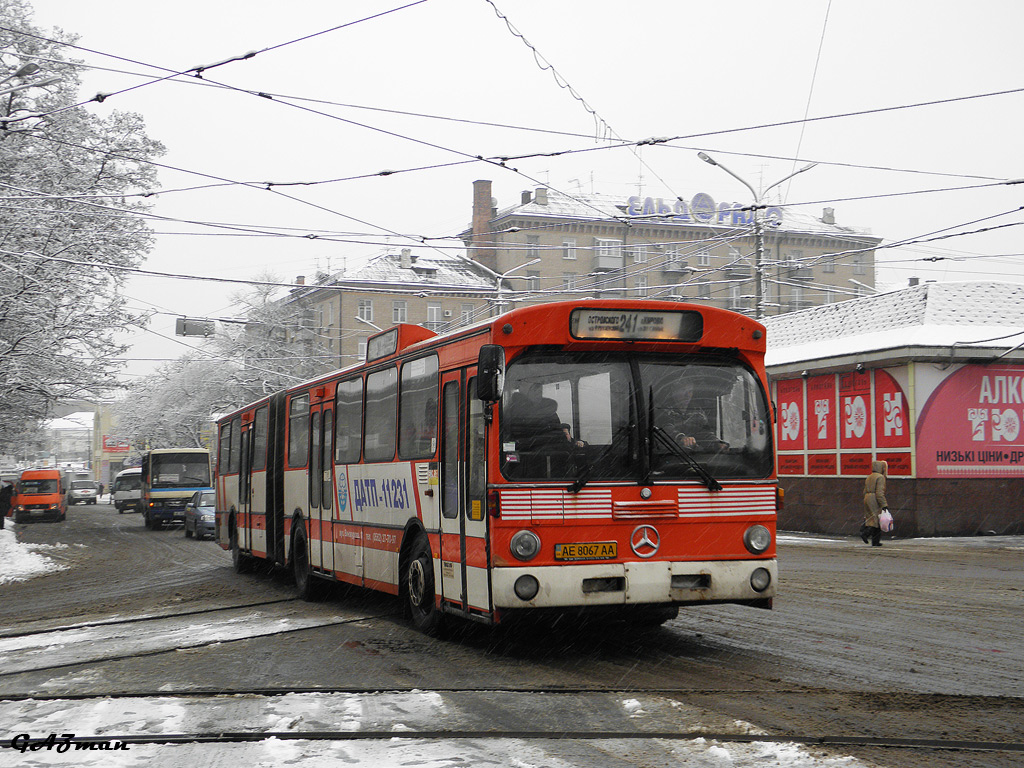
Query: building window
point(858, 265)
point(641, 285)
point(829, 266)
point(532, 246)
point(735, 298)
point(361, 351)
point(704, 257)
point(569, 248)
point(830, 296)
point(466, 314)
point(639, 253)
point(532, 280)
point(609, 250)
point(435, 317)
point(704, 290)
point(569, 281)
point(399, 312)
point(365, 311)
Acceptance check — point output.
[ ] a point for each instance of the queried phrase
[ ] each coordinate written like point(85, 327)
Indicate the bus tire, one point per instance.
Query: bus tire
point(306, 584)
point(418, 587)
point(241, 562)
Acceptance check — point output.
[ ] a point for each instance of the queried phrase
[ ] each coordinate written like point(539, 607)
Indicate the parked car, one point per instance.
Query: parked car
point(82, 492)
point(200, 514)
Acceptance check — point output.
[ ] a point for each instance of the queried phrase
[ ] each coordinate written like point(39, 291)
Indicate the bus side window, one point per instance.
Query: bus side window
point(381, 415)
point(349, 425)
point(224, 454)
point(418, 409)
point(298, 431)
point(235, 444)
point(259, 440)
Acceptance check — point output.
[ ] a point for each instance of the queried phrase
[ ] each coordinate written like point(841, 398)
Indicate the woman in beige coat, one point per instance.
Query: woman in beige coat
point(874, 503)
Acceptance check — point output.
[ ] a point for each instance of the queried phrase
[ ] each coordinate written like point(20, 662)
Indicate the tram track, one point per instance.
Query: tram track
point(139, 654)
point(139, 619)
point(832, 741)
point(466, 721)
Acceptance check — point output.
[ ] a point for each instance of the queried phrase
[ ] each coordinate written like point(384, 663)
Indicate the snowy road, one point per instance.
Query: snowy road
point(149, 641)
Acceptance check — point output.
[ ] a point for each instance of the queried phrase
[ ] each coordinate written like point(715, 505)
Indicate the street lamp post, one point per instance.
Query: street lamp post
point(758, 230)
point(498, 300)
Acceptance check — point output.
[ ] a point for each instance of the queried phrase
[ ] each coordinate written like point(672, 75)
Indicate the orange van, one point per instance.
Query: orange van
point(39, 494)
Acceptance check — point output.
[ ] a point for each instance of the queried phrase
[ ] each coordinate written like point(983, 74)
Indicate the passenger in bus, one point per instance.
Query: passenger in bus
point(531, 415)
point(567, 431)
point(683, 420)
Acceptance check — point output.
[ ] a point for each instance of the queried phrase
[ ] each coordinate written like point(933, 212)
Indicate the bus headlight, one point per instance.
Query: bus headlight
point(760, 579)
point(525, 545)
point(757, 539)
point(526, 587)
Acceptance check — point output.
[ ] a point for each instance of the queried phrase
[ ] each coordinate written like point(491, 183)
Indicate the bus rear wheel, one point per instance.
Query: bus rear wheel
point(419, 587)
point(241, 562)
point(306, 584)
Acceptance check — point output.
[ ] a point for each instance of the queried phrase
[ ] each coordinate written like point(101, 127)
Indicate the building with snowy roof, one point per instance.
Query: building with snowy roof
point(929, 379)
point(599, 245)
point(422, 286)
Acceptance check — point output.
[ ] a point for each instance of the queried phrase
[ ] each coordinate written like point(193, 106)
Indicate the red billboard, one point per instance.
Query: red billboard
point(113, 444)
point(971, 424)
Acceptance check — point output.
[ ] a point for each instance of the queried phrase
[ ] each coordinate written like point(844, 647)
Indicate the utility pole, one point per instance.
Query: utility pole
point(758, 227)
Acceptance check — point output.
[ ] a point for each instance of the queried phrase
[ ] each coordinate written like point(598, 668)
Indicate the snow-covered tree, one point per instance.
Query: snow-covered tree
point(176, 406)
point(70, 199)
point(276, 346)
point(271, 347)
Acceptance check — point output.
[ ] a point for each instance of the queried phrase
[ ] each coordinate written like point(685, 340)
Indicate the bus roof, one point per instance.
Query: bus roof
point(661, 326)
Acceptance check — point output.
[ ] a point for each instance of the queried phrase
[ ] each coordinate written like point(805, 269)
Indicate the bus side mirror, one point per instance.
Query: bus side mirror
point(490, 373)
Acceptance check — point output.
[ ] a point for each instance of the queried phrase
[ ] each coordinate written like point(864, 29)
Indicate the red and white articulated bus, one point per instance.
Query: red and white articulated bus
point(596, 456)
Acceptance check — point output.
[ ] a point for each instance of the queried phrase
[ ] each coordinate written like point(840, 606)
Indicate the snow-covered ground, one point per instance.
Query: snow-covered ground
point(383, 725)
point(20, 561)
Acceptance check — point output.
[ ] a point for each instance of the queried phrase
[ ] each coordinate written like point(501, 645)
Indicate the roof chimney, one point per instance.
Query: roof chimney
point(541, 196)
point(481, 247)
point(406, 259)
point(828, 216)
point(914, 281)
point(526, 197)
point(300, 280)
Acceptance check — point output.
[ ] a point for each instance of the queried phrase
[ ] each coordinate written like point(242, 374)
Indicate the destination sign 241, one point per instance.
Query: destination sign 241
point(632, 325)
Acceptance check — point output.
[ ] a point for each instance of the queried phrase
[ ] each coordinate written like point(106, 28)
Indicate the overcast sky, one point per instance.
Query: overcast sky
point(426, 87)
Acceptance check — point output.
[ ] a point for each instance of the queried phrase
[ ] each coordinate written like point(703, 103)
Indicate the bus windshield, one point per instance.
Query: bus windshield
point(36, 486)
point(628, 417)
point(180, 470)
point(131, 482)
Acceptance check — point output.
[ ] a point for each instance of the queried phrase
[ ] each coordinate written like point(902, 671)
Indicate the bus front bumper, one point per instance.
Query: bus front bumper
point(651, 583)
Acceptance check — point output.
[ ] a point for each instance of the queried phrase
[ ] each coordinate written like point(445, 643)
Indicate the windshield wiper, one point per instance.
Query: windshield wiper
point(584, 476)
point(677, 450)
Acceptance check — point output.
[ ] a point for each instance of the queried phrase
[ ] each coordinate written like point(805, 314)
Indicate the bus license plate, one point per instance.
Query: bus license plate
point(587, 550)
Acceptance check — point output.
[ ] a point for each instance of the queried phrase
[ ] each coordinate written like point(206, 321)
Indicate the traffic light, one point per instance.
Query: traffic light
point(185, 326)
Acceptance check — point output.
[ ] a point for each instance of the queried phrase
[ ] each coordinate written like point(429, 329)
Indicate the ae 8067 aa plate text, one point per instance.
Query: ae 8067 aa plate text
point(587, 550)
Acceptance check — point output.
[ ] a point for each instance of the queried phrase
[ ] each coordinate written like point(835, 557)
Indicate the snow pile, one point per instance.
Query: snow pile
point(19, 561)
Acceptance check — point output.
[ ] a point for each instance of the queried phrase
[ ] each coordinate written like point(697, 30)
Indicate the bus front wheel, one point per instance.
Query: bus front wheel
point(419, 587)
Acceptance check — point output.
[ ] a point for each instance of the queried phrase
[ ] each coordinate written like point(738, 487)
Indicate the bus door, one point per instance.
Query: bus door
point(245, 522)
point(465, 558)
point(321, 487)
point(253, 473)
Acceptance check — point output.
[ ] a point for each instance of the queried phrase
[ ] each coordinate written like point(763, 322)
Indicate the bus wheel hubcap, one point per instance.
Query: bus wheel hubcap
point(416, 582)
